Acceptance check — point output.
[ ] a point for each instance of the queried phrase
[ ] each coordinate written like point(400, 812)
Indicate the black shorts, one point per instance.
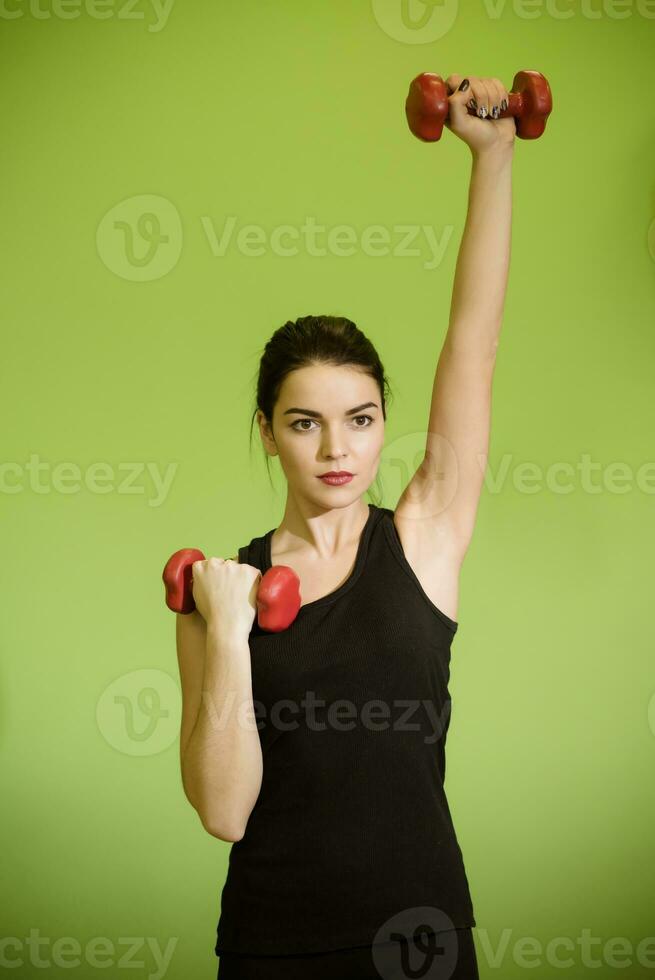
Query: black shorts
point(448, 955)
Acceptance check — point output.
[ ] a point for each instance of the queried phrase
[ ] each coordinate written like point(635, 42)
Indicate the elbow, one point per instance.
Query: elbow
point(225, 828)
point(223, 833)
point(231, 832)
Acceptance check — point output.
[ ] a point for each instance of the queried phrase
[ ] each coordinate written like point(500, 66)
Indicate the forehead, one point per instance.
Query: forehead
point(328, 385)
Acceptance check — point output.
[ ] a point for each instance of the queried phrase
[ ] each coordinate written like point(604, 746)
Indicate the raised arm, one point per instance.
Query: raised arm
point(445, 490)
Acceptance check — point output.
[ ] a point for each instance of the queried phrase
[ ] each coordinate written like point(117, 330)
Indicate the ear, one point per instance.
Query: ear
point(266, 434)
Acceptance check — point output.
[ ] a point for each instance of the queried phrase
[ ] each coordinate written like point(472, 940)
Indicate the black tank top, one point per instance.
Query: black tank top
point(351, 825)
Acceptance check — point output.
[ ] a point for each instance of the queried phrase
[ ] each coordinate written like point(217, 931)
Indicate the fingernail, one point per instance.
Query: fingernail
point(494, 112)
point(463, 87)
point(472, 104)
point(482, 112)
point(503, 104)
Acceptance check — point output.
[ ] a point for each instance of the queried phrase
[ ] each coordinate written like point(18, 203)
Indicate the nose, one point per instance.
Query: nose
point(334, 444)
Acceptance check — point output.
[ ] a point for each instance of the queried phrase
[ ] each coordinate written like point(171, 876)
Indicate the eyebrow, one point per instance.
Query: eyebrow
point(317, 415)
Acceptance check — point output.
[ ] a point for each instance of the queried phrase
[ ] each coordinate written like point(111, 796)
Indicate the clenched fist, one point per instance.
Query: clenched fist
point(487, 96)
point(225, 592)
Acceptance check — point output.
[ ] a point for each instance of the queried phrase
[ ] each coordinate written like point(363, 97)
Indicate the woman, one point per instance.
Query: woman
point(321, 754)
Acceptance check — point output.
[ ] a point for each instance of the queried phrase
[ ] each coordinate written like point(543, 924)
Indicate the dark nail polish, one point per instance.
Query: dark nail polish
point(465, 84)
point(482, 112)
point(472, 104)
point(495, 111)
point(503, 104)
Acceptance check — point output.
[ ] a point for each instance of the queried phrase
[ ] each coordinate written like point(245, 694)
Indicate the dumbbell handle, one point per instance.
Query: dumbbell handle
point(530, 103)
point(278, 593)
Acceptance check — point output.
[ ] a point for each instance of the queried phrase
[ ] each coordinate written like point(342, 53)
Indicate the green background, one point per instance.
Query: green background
point(270, 113)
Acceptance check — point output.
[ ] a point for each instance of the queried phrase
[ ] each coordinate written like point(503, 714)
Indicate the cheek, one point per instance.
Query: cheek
point(296, 449)
point(370, 453)
point(378, 447)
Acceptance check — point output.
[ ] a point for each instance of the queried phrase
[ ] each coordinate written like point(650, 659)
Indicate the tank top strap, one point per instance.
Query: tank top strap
point(394, 543)
point(253, 553)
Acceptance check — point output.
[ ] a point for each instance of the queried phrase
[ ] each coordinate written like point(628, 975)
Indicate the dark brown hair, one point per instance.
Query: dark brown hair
point(314, 340)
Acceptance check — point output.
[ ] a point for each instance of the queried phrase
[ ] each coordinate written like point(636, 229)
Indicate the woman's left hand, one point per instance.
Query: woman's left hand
point(479, 132)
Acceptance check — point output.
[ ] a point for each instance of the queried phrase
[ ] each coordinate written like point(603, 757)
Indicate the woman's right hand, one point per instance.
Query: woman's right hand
point(225, 593)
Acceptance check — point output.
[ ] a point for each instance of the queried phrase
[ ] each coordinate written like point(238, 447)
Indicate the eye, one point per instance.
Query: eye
point(297, 425)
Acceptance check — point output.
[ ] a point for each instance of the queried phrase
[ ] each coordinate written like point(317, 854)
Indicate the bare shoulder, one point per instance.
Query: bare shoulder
point(433, 552)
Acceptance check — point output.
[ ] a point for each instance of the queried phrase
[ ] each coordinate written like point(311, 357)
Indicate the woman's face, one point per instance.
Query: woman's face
point(316, 431)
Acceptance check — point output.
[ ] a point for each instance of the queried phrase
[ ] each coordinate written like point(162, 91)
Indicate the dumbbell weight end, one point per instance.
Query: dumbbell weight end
point(178, 580)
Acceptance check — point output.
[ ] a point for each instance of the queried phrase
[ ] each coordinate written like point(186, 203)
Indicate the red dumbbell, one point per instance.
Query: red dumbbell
point(278, 595)
point(530, 102)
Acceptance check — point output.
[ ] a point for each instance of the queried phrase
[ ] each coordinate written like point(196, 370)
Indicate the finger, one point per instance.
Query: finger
point(453, 82)
point(502, 94)
point(494, 89)
point(478, 98)
point(462, 94)
point(459, 98)
point(494, 98)
point(486, 102)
